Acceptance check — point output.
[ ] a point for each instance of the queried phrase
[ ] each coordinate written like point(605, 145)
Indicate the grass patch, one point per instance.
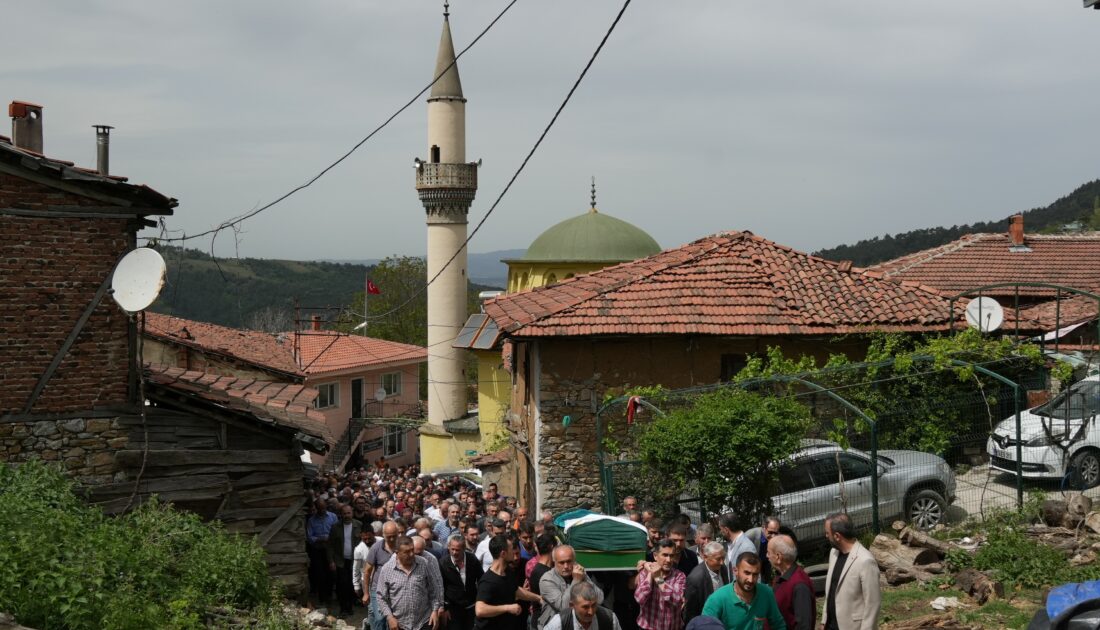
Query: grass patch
point(914, 600)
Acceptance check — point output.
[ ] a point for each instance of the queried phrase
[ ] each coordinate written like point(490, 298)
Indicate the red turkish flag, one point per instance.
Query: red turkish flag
point(372, 288)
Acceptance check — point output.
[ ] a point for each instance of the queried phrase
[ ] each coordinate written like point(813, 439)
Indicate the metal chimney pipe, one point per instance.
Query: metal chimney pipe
point(103, 148)
point(26, 125)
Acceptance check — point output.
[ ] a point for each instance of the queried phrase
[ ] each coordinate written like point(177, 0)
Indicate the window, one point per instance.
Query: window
point(394, 441)
point(731, 365)
point(551, 279)
point(391, 382)
point(794, 478)
point(825, 472)
point(435, 154)
point(328, 396)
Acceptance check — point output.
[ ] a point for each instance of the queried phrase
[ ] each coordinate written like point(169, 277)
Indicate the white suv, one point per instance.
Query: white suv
point(1058, 439)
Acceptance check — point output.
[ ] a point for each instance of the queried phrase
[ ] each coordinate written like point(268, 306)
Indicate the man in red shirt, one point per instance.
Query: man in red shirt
point(794, 590)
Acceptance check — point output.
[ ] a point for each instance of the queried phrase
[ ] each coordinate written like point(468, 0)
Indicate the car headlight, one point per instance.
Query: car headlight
point(1044, 440)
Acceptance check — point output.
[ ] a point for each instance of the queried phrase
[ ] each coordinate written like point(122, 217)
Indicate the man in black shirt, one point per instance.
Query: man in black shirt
point(496, 606)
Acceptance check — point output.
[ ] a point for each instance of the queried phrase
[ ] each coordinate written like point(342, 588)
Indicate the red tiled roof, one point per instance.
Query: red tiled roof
point(496, 458)
point(982, 259)
point(1047, 316)
point(265, 350)
point(323, 351)
point(319, 351)
point(733, 283)
point(283, 404)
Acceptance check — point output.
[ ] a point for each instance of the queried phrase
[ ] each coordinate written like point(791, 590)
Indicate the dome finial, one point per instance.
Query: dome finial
point(593, 194)
point(446, 9)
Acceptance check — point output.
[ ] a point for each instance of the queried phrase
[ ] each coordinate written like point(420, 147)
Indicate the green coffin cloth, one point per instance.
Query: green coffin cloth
point(606, 534)
point(610, 560)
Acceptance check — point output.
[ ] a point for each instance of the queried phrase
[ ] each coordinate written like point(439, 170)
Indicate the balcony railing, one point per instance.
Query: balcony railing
point(436, 175)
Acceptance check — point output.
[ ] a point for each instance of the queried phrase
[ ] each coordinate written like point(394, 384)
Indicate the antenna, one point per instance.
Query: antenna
point(984, 314)
point(138, 279)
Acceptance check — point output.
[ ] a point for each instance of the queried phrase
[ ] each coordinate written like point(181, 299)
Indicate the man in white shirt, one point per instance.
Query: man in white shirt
point(497, 528)
point(367, 538)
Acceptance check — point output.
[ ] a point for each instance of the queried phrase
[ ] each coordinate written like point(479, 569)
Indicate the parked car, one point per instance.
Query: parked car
point(1057, 439)
point(912, 485)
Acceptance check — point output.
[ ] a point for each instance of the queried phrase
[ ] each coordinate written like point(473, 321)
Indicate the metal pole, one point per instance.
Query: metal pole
point(875, 525)
point(1019, 452)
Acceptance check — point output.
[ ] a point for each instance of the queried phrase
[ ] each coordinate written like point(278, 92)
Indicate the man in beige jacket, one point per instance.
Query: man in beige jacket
point(852, 594)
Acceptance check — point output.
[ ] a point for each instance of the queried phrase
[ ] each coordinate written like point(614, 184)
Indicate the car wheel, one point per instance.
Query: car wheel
point(1086, 469)
point(926, 509)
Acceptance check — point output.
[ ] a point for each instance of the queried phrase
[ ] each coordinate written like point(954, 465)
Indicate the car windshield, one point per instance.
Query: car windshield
point(1076, 403)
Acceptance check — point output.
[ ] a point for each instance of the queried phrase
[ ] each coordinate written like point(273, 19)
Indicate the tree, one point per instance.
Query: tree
point(400, 311)
point(726, 445)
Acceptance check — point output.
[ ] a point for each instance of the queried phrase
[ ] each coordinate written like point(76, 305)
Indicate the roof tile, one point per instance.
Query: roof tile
point(734, 283)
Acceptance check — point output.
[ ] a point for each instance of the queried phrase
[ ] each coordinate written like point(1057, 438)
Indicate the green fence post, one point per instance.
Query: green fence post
point(1019, 452)
point(874, 479)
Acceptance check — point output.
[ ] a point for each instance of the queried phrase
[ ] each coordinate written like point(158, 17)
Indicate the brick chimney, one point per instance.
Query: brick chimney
point(26, 125)
point(315, 322)
point(1016, 230)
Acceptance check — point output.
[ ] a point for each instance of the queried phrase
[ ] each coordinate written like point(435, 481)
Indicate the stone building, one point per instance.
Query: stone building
point(575, 246)
point(683, 317)
point(72, 378)
point(64, 346)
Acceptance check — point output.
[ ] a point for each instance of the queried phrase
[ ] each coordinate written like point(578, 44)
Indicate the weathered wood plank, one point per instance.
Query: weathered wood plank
point(166, 457)
point(151, 485)
point(287, 558)
point(267, 478)
point(283, 547)
point(276, 525)
point(256, 495)
point(115, 506)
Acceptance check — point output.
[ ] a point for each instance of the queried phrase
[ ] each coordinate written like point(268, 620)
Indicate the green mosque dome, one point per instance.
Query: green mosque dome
point(591, 237)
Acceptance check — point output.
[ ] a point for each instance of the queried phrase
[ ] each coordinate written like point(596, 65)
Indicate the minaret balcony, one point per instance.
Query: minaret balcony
point(431, 176)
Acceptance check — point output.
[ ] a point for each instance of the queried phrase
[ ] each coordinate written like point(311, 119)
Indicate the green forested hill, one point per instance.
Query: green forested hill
point(1079, 207)
point(239, 292)
point(260, 294)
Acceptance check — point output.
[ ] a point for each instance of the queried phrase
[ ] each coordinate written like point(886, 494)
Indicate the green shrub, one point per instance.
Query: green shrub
point(63, 564)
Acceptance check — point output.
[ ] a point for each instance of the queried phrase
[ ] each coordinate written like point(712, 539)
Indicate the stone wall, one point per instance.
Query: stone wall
point(85, 448)
point(575, 376)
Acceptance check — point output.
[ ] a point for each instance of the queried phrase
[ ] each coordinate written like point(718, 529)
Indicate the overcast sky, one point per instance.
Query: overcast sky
point(809, 123)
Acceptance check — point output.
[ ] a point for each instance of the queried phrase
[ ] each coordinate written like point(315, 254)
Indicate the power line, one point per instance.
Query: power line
point(522, 165)
point(248, 215)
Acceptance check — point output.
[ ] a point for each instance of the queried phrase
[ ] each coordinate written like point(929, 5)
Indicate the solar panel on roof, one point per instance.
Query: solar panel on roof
point(488, 337)
point(466, 335)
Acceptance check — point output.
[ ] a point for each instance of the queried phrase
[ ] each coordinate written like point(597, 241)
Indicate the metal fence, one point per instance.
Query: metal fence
point(924, 444)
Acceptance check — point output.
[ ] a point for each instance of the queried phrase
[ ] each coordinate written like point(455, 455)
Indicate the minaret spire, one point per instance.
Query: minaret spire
point(593, 208)
point(446, 70)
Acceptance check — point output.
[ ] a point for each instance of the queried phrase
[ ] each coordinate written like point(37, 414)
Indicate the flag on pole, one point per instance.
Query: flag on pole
point(372, 288)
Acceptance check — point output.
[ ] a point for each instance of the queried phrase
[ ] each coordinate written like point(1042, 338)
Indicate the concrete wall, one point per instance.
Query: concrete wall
point(337, 417)
point(572, 377)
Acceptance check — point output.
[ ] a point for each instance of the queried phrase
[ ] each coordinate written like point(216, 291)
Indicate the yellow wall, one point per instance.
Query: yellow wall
point(526, 275)
point(446, 452)
point(494, 391)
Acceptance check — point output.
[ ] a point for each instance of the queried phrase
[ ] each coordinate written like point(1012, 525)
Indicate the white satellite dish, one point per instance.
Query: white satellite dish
point(985, 314)
point(138, 279)
point(380, 394)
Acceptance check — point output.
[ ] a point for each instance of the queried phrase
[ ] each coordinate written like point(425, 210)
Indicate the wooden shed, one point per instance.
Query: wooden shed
point(225, 448)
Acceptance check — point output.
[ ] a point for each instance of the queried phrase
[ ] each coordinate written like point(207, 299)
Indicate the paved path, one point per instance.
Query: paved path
point(982, 489)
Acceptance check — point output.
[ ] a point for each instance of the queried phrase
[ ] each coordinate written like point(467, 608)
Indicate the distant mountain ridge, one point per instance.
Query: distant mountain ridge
point(258, 293)
point(484, 268)
point(1078, 210)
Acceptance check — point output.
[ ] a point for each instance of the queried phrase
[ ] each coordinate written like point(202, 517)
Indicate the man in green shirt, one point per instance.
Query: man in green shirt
point(744, 604)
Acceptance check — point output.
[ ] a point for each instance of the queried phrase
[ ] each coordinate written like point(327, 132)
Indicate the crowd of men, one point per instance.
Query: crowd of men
point(435, 552)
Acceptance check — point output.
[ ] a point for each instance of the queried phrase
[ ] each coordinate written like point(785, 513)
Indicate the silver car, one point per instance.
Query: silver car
point(912, 485)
